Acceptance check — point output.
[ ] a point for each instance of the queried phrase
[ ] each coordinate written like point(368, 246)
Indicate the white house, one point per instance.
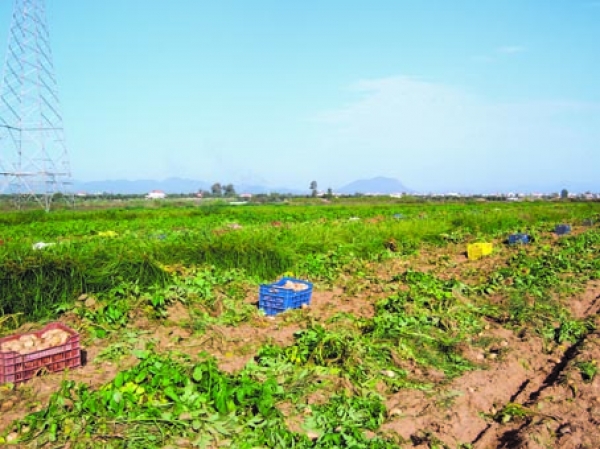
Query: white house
point(156, 195)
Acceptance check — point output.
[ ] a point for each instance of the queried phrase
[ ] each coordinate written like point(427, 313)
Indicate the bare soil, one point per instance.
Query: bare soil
point(560, 408)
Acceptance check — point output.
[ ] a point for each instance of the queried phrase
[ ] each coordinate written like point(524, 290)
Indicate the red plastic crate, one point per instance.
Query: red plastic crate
point(17, 368)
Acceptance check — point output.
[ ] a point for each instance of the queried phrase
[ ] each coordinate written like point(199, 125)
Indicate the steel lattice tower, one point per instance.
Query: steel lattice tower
point(34, 162)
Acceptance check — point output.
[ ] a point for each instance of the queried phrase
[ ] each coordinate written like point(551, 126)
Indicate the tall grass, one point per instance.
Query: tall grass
point(34, 282)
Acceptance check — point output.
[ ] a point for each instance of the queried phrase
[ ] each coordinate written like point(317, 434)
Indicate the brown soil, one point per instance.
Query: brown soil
point(34, 395)
point(560, 407)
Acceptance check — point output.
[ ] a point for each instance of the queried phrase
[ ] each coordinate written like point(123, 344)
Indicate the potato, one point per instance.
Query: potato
point(296, 286)
point(26, 344)
point(13, 345)
point(55, 340)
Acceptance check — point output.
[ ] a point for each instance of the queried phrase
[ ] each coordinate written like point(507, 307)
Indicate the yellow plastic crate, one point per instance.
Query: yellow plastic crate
point(478, 250)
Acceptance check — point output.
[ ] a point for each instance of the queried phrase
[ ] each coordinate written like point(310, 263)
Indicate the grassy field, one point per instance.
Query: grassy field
point(407, 343)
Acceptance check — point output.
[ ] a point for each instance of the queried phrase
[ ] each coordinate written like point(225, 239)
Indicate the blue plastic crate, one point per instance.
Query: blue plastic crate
point(562, 229)
point(514, 239)
point(274, 299)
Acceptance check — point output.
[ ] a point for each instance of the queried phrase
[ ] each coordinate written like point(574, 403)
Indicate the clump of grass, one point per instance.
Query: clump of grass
point(588, 370)
point(35, 285)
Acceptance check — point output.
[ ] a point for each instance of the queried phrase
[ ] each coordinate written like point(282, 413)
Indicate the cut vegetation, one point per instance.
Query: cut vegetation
point(406, 343)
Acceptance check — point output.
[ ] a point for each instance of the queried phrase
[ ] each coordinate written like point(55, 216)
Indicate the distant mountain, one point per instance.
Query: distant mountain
point(169, 186)
point(374, 185)
point(140, 186)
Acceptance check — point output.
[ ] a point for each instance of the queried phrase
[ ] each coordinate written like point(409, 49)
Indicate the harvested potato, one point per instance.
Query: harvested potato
point(26, 344)
point(296, 286)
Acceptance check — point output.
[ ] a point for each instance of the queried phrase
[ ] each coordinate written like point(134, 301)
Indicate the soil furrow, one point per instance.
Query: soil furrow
point(570, 417)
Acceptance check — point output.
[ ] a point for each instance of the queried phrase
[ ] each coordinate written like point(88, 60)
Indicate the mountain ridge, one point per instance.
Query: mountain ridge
point(169, 186)
point(378, 184)
point(177, 185)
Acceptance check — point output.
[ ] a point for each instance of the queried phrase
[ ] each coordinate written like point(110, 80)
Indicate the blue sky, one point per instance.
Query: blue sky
point(466, 95)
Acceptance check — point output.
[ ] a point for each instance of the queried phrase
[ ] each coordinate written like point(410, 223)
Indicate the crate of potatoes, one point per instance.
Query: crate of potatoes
point(287, 293)
point(51, 349)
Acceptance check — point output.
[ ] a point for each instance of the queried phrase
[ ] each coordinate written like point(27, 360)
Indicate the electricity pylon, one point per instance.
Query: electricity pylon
point(34, 162)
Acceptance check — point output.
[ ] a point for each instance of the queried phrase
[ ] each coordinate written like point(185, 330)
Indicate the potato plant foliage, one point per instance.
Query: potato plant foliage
point(112, 269)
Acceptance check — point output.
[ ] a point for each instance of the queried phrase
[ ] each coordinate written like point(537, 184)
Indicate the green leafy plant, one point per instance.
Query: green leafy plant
point(588, 370)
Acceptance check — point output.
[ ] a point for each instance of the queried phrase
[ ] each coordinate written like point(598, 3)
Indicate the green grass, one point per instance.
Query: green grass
point(314, 241)
point(193, 256)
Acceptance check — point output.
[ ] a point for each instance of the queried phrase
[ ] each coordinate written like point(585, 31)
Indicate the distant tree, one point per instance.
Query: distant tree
point(564, 194)
point(313, 187)
point(275, 196)
point(216, 189)
point(229, 190)
point(329, 193)
point(260, 198)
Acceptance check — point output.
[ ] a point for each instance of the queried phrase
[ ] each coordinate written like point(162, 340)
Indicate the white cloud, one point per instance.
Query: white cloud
point(499, 53)
point(431, 135)
point(511, 49)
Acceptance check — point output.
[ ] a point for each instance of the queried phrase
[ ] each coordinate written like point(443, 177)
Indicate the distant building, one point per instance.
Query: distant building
point(156, 195)
point(245, 195)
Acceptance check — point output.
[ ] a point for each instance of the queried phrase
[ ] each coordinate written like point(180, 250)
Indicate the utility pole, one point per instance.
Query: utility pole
point(34, 162)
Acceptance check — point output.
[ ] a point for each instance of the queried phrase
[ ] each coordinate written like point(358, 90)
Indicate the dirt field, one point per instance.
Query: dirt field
point(529, 393)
